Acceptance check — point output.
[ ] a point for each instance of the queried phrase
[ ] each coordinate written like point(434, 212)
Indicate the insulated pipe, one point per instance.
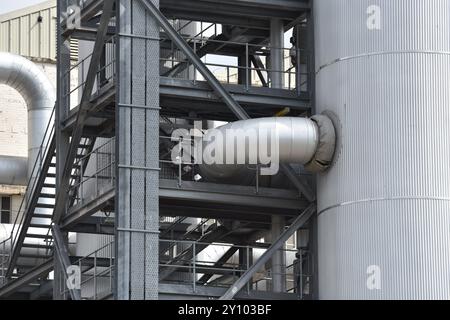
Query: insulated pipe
point(33, 85)
point(13, 170)
point(300, 141)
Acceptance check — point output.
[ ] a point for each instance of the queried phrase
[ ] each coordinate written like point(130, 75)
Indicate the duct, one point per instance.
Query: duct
point(24, 76)
point(299, 140)
point(13, 170)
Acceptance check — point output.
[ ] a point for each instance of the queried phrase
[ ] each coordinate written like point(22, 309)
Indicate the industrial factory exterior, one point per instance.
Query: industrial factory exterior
point(225, 150)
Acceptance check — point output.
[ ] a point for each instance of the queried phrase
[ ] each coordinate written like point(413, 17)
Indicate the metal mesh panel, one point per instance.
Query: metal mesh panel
point(138, 154)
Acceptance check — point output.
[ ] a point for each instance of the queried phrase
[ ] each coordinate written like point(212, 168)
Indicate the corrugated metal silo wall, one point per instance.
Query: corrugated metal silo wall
point(384, 208)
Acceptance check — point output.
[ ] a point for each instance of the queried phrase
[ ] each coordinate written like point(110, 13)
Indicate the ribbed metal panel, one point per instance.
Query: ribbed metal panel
point(21, 32)
point(386, 201)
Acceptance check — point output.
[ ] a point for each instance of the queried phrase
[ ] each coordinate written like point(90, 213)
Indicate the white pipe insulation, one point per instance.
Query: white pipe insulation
point(310, 142)
point(13, 170)
point(33, 85)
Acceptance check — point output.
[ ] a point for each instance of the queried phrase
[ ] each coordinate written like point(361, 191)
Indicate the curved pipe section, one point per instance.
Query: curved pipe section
point(298, 141)
point(33, 85)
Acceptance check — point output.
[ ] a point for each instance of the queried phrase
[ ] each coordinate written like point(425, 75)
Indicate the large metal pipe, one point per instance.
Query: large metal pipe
point(309, 142)
point(384, 206)
point(13, 170)
point(33, 85)
point(298, 141)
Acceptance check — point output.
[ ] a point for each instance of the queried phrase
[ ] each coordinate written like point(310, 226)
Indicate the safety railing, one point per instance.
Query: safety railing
point(182, 170)
point(194, 29)
point(203, 267)
point(104, 76)
point(199, 228)
point(97, 178)
point(9, 244)
point(254, 71)
point(95, 272)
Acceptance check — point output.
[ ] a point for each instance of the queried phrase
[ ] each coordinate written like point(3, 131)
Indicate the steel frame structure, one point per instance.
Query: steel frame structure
point(129, 108)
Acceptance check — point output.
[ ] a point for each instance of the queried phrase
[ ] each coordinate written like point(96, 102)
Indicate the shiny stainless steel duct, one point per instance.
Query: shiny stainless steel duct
point(13, 170)
point(33, 85)
point(299, 141)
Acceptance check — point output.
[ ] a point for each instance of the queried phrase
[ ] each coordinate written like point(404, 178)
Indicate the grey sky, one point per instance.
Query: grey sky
point(11, 5)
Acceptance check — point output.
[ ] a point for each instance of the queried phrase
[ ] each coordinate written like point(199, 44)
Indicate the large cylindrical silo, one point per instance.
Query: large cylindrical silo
point(382, 72)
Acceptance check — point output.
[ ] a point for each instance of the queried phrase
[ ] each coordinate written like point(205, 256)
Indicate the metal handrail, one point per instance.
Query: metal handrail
point(30, 189)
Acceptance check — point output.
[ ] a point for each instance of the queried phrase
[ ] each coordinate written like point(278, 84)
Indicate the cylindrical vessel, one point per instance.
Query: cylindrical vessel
point(384, 206)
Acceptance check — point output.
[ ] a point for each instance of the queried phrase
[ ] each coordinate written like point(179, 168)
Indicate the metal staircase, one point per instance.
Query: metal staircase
point(31, 242)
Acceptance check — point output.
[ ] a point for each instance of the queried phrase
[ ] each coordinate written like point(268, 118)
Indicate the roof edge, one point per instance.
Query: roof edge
point(28, 10)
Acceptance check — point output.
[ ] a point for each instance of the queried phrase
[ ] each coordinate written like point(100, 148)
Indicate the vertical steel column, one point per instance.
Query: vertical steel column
point(137, 145)
point(276, 53)
point(277, 67)
point(278, 258)
point(61, 113)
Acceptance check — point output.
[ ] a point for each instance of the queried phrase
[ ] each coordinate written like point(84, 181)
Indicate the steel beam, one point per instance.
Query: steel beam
point(186, 292)
point(214, 235)
point(192, 56)
point(223, 259)
point(259, 65)
point(62, 192)
point(63, 256)
point(276, 53)
point(25, 279)
point(218, 88)
point(78, 214)
point(276, 245)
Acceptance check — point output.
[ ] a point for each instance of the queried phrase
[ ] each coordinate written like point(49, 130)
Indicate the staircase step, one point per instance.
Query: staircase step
point(47, 195)
point(49, 185)
point(34, 256)
point(53, 175)
point(53, 165)
point(38, 236)
point(37, 246)
point(45, 205)
point(42, 226)
point(42, 216)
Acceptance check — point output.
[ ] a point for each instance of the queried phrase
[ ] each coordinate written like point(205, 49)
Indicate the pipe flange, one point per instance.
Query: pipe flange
point(323, 157)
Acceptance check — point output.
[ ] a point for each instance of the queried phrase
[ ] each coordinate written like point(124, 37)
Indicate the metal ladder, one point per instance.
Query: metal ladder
point(31, 237)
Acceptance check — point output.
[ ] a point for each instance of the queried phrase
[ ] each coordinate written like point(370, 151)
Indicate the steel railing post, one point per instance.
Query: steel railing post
point(194, 276)
point(95, 275)
point(247, 76)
